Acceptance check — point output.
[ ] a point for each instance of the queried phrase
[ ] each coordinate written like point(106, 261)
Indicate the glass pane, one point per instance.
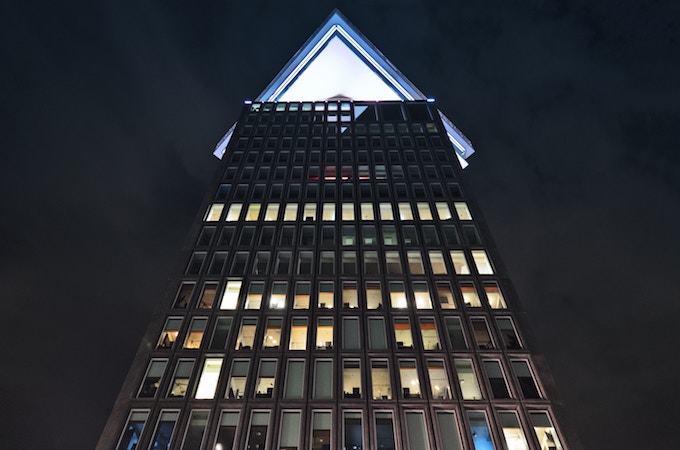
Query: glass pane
point(512, 431)
point(290, 430)
point(227, 431)
point(209, 377)
point(481, 436)
point(164, 431)
point(323, 379)
point(257, 436)
point(195, 430)
point(294, 379)
point(353, 432)
point(448, 431)
point(380, 380)
point(545, 432)
point(415, 427)
point(468, 380)
point(133, 430)
point(321, 430)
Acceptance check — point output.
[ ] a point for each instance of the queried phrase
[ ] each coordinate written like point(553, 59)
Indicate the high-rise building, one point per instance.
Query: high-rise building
point(341, 290)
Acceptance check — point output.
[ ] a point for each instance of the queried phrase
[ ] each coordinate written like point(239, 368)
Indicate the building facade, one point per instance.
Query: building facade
point(342, 291)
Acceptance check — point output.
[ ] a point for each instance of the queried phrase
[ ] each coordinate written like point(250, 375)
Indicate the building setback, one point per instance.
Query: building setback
point(341, 290)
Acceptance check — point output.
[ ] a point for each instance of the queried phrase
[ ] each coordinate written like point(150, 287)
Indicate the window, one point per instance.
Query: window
point(481, 332)
point(494, 373)
point(421, 292)
point(367, 211)
point(246, 335)
point(321, 430)
point(267, 236)
point(183, 297)
point(460, 264)
point(481, 436)
point(349, 263)
point(214, 213)
point(397, 295)
point(439, 381)
point(133, 430)
point(482, 262)
point(468, 380)
point(351, 378)
point(272, 333)
point(443, 211)
point(402, 332)
point(384, 431)
point(238, 266)
point(494, 296)
point(526, 380)
point(266, 379)
point(545, 432)
point(424, 211)
point(231, 294)
point(309, 212)
point(326, 294)
point(226, 433)
point(290, 213)
point(195, 263)
point(348, 235)
point(323, 379)
point(170, 331)
point(437, 262)
point(164, 430)
point(324, 333)
point(410, 383)
point(257, 435)
point(328, 212)
point(327, 264)
point(236, 386)
point(305, 263)
point(247, 236)
point(386, 211)
point(195, 333)
point(328, 236)
point(371, 264)
point(261, 264)
point(208, 295)
point(462, 211)
point(353, 435)
point(405, 212)
point(180, 380)
point(376, 334)
point(455, 331)
point(410, 235)
point(449, 435)
point(373, 294)
point(206, 236)
point(429, 334)
point(277, 300)
point(152, 379)
point(254, 296)
point(283, 262)
point(195, 430)
point(350, 297)
point(470, 297)
point(393, 263)
point(415, 428)
point(226, 236)
point(253, 212)
point(415, 262)
point(234, 212)
point(508, 333)
point(302, 295)
point(298, 334)
point(207, 383)
point(390, 235)
point(472, 235)
point(295, 386)
point(445, 295)
point(290, 430)
point(451, 235)
point(272, 212)
point(348, 211)
point(350, 333)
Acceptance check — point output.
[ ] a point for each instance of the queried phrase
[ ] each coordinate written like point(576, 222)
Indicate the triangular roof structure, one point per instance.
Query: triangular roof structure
point(337, 61)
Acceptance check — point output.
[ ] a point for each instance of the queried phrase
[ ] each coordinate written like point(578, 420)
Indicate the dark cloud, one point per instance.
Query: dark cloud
point(110, 112)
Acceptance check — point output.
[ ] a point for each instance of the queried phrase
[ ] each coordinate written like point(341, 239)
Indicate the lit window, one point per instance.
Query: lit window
point(415, 262)
point(421, 292)
point(405, 212)
point(364, 173)
point(455, 331)
point(152, 379)
point(482, 262)
point(214, 213)
point(367, 211)
point(309, 212)
point(231, 294)
point(512, 431)
point(303, 290)
point(386, 211)
point(298, 334)
point(393, 263)
point(272, 212)
point(424, 211)
point(468, 380)
point(494, 373)
point(351, 379)
point(437, 262)
point(470, 297)
point(460, 264)
point(429, 334)
point(170, 331)
point(321, 430)
point(324, 333)
point(443, 211)
point(290, 430)
point(481, 436)
point(373, 295)
point(348, 235)
point(410, 383)
point(234, 212)
point(347, 211)
point(165, 430)
point(380, 172)
point(246, 335)
point(439, 381)
point(257, 435)
point(350, 333)
point(290, 213)
point(323, 380)
point(326, 294)
point(278, 295)
point(376, 333)
point(236, 386)
point(328, 211)
point(133, 430)
point(207, 383)
point(462, 211)
point(272, 333)
point(227, 431)
point(253, 212)
point(545, 432)
point(295, 385)
point(390, 235)
point(254, 296)
point(526, 380)
point(402, 332)
point(196, 332)
point(266, 378)
point(397, 295)
point(195, 430)
point(494, 296)
point(380, 380)
point(445, 294)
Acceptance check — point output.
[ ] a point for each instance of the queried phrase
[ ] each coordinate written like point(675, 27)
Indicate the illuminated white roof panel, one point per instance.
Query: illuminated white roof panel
point(339, 62)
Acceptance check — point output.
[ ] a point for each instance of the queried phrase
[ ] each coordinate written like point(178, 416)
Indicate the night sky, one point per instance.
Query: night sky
point(109, 114)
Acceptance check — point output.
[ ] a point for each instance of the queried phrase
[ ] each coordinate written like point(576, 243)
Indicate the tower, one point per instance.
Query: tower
point(341, 290)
